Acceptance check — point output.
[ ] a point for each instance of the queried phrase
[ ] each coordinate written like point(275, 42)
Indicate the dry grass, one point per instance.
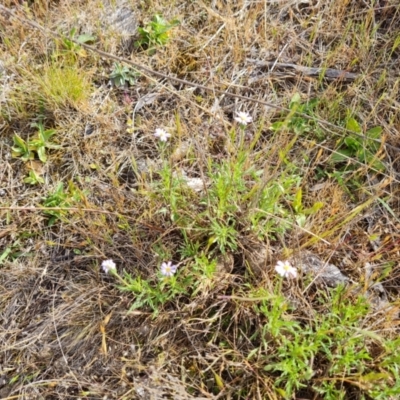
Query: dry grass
point(66, 330)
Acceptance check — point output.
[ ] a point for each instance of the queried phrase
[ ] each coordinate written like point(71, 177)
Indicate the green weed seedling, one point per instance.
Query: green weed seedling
point(175, 193)
point(22, 149)
point(33, 178)
point(228, 185)
point(354, 151)
point(364, 149)
point(70, 48)
point(156, 33)
point(301, 212)
point(224, 234)
point(27, 149)
point(188, 247)
point(202, 274)
point(122, 75)
point(12, 252)
point(268, 212)
point(43, 141)
point(62, 199)
point(297, 123)
point(167, 285)
point(152, 293)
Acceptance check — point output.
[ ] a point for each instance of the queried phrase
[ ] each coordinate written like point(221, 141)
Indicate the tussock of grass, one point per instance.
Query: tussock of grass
point(61, 86)
point(84, 180)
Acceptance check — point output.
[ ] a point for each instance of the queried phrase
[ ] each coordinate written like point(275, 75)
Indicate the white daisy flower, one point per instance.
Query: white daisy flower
point(162, 134)
point(168, 269)
point(108, 265)
point(243, 118)
point(285, 269)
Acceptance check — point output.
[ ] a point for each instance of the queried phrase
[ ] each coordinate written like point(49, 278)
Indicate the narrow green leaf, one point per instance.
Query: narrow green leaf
point(5, 254)
point(297, 200)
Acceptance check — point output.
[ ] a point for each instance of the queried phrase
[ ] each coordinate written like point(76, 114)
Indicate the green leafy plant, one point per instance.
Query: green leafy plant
point(153, 293)
point(22, 149)
point(62, 199)
point(27, 149)
point(12, 252)
point(224, 234)
point(42, 142)
point(156, 33)
point(301, 212)
point(228, 183)
point(69, 47)
point(122, 75)
point(333, 338)
point(364, 148)
point(268, 211)
point(33, 178)
point(354, 152)
point(359, 147)
point(296, 123)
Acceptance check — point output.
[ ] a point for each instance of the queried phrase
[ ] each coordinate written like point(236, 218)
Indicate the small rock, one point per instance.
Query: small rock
point(321, 271)
point(257, 255)
point(225, 263)
point(121, 18)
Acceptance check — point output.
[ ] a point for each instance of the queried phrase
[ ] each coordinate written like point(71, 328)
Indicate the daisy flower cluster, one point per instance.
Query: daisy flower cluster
point(167, 268)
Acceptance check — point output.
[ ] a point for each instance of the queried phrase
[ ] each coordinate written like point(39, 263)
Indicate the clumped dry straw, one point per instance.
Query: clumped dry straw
point(222, 222)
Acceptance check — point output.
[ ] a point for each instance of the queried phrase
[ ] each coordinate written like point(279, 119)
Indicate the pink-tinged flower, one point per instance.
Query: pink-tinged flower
point(243, 118)
point(162, 134)
point(108, 265)
point(168, 269)
point(285, 269)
